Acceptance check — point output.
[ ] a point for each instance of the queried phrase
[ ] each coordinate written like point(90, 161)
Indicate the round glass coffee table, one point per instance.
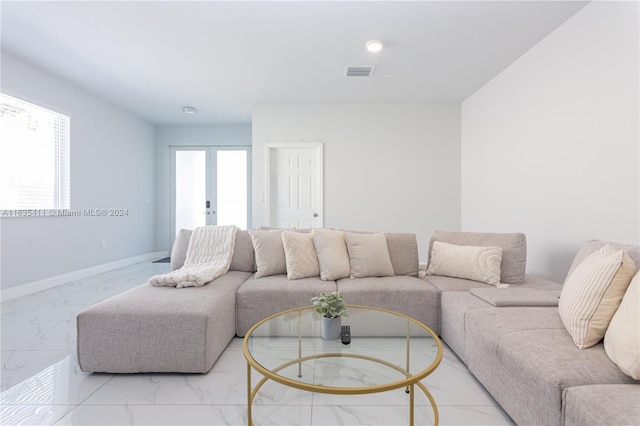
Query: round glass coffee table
point(388, 351)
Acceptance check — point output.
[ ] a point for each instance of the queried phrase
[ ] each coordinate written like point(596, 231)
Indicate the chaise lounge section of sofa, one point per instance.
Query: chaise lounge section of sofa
point(159, 329)
point(163, 329)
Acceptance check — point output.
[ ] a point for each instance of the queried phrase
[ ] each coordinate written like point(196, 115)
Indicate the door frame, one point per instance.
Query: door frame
point(271, 148)
point(211, 152)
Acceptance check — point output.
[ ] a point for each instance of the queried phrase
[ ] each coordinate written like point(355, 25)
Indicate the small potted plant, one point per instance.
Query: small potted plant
point(332, 308)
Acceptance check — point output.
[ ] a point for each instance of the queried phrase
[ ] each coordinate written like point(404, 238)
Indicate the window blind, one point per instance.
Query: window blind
point(34, 157)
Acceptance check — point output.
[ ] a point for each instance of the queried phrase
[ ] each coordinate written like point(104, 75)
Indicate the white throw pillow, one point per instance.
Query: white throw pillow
point(622, 340)
point(300, 255)
point(333, 257)
point(468, 262)
point(270, 258)
point(593, 292)
point(368, 255)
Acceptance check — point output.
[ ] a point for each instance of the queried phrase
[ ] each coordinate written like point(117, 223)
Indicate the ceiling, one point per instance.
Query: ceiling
point(151, 58)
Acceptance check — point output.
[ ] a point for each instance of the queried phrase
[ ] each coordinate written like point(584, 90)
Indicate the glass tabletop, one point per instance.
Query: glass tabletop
point(388, 350)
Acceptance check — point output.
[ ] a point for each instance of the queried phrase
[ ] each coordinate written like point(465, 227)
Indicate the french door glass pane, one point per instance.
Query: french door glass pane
point(191, 190)
point(232, 188)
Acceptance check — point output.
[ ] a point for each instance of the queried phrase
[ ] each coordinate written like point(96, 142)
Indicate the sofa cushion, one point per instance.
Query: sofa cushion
point(269, 252)
point(403, 252)
point(541, 284)
point(407, 295)
point(242, 260)
point(598, 405)
point(257, 299)
point(454, 284)
point(593, 245)
point(469, 262)
point(459, 284)
point(300, 255)
point(515, 297)
point(333, 256)
point(368, 255)
point(622, 339)
point(454, 306)
point(455, 303)
point(179, 250)
point(525, 354)
point(593, 292)
point(514, 250)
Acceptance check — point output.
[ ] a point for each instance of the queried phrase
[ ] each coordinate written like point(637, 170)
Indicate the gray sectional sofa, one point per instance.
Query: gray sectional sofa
point(511, 339)
point(523, 355)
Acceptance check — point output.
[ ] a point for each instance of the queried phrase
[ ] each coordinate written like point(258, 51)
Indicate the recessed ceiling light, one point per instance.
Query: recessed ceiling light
point(189, 110)
point(374, 46)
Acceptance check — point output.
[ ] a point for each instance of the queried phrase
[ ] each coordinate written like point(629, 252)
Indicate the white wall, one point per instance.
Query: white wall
point(199, 135)
point(550, 147)
point(387, 167)
point(112, 166)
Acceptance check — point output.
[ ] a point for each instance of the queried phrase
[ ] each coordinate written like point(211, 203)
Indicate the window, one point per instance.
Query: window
point(34, 157)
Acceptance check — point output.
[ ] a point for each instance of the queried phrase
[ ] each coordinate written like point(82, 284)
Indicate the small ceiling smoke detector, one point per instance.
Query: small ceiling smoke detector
point(374, 46)
point(189, 110)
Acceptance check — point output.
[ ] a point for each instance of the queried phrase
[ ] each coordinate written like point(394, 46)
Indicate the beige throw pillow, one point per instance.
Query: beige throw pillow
point(468, 262)
point(270, 258)
point(622, 339)
point(333, 257)
point(368, 255)
point(300, 255)
point(592, 293)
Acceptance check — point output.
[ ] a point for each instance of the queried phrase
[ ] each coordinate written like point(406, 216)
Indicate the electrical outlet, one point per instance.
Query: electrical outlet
point(103, 242)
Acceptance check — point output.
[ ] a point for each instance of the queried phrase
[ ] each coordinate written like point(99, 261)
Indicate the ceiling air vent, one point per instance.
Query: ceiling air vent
point(359, 71)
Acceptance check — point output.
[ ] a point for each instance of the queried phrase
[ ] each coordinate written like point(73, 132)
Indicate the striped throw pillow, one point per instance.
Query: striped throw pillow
point(592, 293)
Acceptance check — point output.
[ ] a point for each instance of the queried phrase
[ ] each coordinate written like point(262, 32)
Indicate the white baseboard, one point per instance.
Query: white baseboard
point(47, 283)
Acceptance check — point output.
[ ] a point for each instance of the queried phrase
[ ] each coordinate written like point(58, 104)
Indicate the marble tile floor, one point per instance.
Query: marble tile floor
point(43, 385)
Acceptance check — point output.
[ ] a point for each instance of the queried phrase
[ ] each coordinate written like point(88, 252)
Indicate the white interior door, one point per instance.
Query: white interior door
point(210, 186)
point(295, 185)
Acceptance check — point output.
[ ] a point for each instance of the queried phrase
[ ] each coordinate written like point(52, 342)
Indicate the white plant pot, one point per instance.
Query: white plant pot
point(331, 328)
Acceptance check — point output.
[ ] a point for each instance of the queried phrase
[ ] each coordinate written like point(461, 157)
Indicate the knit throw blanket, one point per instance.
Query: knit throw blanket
point(208, 257)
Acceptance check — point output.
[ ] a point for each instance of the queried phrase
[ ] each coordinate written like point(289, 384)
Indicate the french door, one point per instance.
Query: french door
point(210, 186)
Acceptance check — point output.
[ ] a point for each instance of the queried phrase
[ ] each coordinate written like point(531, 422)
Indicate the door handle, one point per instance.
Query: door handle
point(315, 215)
point(207, 205)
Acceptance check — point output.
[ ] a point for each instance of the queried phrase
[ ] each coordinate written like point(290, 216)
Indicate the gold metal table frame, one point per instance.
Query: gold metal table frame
point(409, 383)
